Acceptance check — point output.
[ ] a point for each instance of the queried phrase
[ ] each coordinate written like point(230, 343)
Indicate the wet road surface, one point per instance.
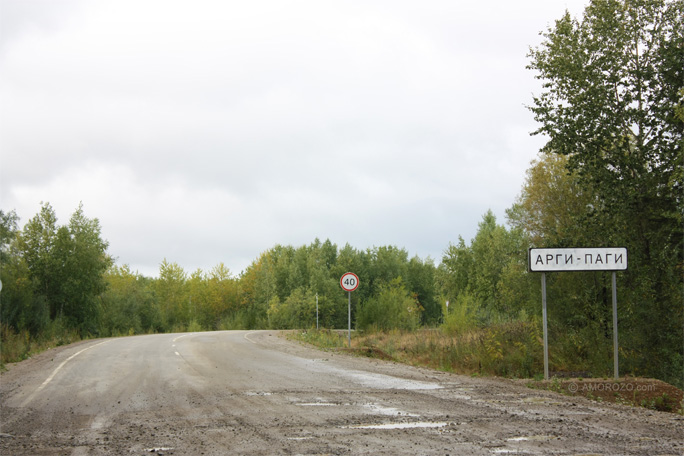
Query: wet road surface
point(255, 393)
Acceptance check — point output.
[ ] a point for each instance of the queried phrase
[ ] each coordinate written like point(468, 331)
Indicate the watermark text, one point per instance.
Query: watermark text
point(615, 387)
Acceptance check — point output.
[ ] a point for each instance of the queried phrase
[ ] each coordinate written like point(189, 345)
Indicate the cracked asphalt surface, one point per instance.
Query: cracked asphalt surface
point(255, 393)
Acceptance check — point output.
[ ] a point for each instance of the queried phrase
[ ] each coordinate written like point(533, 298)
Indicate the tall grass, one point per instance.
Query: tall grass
point(509, 349)
point(506, 348)
point(19, 345)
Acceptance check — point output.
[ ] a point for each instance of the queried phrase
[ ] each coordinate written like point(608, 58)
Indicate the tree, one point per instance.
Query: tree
point(612, 90)
point(66, 265)
point(454, 271)
point(37, 244)
point(611, 86)
point(172, 294)
point(222, 295)
point(297, 311)
point(387, 263)
point(128, 304)
point(19, 307)
point(551, 203)
point(612, 103)
point(84, 260)
point(420, 278)
point(257, 288)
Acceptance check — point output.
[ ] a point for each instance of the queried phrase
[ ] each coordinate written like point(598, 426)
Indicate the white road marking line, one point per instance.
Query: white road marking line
point(177, 353)
point(245, 336)
point(49, 379)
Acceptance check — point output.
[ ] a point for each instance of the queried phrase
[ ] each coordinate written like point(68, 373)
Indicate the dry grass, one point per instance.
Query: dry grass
point(510, 350)
point(18, 346)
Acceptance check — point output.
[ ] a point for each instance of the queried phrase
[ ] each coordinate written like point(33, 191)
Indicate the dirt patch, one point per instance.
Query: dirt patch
point(644, 392)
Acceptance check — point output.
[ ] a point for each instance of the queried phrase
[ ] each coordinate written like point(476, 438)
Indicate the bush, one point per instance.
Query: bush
point(461, 315)
point(392, 308)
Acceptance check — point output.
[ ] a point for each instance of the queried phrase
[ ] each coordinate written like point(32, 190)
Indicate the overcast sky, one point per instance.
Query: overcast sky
point(209, 131)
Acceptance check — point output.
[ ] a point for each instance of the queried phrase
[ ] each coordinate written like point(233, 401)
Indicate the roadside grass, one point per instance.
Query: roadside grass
point(18, 346)
point(321, 338)
point(507, 350)
point(510, 349)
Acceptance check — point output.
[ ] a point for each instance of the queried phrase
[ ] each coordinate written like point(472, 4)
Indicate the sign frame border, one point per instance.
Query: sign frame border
point(529, 259)
point(345, 275)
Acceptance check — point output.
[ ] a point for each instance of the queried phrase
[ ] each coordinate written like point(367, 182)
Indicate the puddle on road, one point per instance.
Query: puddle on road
point(375, 381)
point(387, 411)
point(370, 408)
point(380, 381)
point(418, 425)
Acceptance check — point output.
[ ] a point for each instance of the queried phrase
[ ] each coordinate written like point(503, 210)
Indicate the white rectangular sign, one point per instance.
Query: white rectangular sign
point(579, 259)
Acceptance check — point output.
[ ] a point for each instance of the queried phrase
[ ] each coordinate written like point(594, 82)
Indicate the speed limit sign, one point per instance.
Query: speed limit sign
point(349, 281)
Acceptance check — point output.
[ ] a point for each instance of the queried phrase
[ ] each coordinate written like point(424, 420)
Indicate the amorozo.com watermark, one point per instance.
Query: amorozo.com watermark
point(615, 387)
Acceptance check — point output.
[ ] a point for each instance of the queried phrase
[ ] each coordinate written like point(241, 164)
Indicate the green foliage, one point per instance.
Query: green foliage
point(551, 201)
point(172, 293)
point(128, 304)
point(420, 279)
point(612, 104)
point(489, 275)
point(461, 315)
point(297, 311)
point(56, 272)
point(392, 308)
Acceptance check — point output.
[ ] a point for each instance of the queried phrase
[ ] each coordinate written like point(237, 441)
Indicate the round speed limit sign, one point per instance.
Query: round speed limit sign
point(349, 281)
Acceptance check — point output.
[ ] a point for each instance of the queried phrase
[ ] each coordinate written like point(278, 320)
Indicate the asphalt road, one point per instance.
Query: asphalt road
point(240, 392)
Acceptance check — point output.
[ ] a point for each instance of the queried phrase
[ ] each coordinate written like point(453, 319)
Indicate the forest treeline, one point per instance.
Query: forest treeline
point(611, 175)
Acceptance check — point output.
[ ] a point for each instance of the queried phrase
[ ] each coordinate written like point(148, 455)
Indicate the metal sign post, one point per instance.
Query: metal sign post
point(546, 329)
point(349, 282)
point(349, 320)
point(578, 259)
point(616, 369)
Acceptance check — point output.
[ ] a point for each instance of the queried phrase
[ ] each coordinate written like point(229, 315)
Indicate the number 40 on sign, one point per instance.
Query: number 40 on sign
point(349, 281)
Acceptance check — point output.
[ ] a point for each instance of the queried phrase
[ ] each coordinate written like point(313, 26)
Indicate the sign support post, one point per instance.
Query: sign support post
point(349, 320)
point(316, 311)
point(349, 282)
point(615, 330)
point(578, 259)
point(546, 330)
